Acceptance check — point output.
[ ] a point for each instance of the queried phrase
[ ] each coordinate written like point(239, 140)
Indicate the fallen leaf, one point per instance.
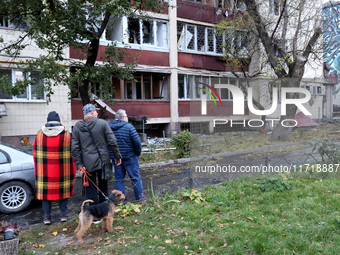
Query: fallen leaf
point(137, 222)
point(119, 228)
point(168, 241)
point(161, 247)
point(55, 233)
point(283, 214)
point(41, 246)
point(207, 206)
point(156, 237)
point(64, 229)
point(224, 245)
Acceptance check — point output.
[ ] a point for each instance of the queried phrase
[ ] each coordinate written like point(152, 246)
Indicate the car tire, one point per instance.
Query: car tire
point(14, 197)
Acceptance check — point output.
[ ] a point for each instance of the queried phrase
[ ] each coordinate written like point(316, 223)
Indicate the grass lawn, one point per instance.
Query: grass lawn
point(245, 140)
point(241, 216)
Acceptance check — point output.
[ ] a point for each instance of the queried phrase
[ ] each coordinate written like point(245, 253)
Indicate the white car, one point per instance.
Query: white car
point(17, 182)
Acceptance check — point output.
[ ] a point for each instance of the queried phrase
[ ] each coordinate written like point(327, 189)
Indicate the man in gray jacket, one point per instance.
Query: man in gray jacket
point(85, 153)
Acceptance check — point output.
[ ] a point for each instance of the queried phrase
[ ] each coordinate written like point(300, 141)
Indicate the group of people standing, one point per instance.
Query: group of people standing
point(58, 154)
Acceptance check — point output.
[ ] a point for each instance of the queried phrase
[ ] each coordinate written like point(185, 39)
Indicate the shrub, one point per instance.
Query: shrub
point(184, 142)
point(273, 184)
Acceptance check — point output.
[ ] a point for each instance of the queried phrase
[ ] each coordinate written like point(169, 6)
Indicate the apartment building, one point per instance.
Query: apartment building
point(23, 115)
point(178, 53)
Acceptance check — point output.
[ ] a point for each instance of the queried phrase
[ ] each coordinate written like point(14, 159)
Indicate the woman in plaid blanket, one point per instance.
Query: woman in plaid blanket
point(54, 166)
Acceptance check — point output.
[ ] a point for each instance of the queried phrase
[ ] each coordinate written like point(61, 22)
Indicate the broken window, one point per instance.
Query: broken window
point(116, 88)
point(189, 86)
point(148, 35)
point(190, 37)
point(137, 31)
point(162, 34)
point(133, 31)
point(114, 30)
point(224, 93)
point(199, 38)
point(181, 87)
point(181, 36)
point(147, 86)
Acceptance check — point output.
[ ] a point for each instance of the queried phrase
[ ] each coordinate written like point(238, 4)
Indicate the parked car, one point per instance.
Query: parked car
point(17, 183)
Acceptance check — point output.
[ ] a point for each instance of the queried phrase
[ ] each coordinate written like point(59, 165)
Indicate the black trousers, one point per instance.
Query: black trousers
point(91, 192)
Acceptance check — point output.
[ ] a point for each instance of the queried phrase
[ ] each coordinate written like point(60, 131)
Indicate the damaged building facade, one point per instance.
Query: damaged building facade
point(175, 51)
point(178, 54)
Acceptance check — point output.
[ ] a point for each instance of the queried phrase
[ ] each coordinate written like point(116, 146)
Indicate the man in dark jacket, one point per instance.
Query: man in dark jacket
point(85, 152)
point(130, 147)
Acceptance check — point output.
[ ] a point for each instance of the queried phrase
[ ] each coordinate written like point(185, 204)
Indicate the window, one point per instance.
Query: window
point(147, 86)
point(114, 30)
point(34, 91)
point(199, 39)
point(5, 22)
point(146, 32)
point(275, 7)
point(3, 158)
point(189, 86)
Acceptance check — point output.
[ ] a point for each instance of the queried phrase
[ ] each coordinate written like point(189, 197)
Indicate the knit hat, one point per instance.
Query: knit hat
point(89, 108)
point(53, 116)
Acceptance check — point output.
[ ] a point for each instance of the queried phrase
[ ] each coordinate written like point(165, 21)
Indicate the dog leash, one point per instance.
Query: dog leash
point(86, 181)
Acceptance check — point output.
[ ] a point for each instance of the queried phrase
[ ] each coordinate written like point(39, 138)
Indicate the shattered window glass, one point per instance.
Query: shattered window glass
point(148, 35)
point(114, 30)
point(133, 30)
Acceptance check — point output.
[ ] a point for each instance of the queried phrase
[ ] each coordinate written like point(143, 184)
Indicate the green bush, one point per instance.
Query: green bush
point(273, 184)
point(184, 142)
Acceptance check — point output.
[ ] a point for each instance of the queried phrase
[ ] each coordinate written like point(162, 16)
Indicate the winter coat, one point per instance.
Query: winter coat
point(84, 151)
point(54, 168)
point(127, 137)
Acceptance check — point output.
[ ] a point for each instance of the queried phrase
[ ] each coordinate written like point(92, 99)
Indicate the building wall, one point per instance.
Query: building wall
point(25, 117)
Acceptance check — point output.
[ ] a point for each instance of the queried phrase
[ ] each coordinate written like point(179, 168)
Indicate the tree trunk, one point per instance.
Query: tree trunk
point(282, 133)
point(84, 93)
point(90, 61)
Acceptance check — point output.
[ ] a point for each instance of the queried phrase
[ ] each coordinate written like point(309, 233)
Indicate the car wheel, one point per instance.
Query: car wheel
point(14, 197)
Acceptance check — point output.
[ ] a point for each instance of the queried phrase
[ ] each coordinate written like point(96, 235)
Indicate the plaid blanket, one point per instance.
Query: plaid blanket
point(53, 166)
